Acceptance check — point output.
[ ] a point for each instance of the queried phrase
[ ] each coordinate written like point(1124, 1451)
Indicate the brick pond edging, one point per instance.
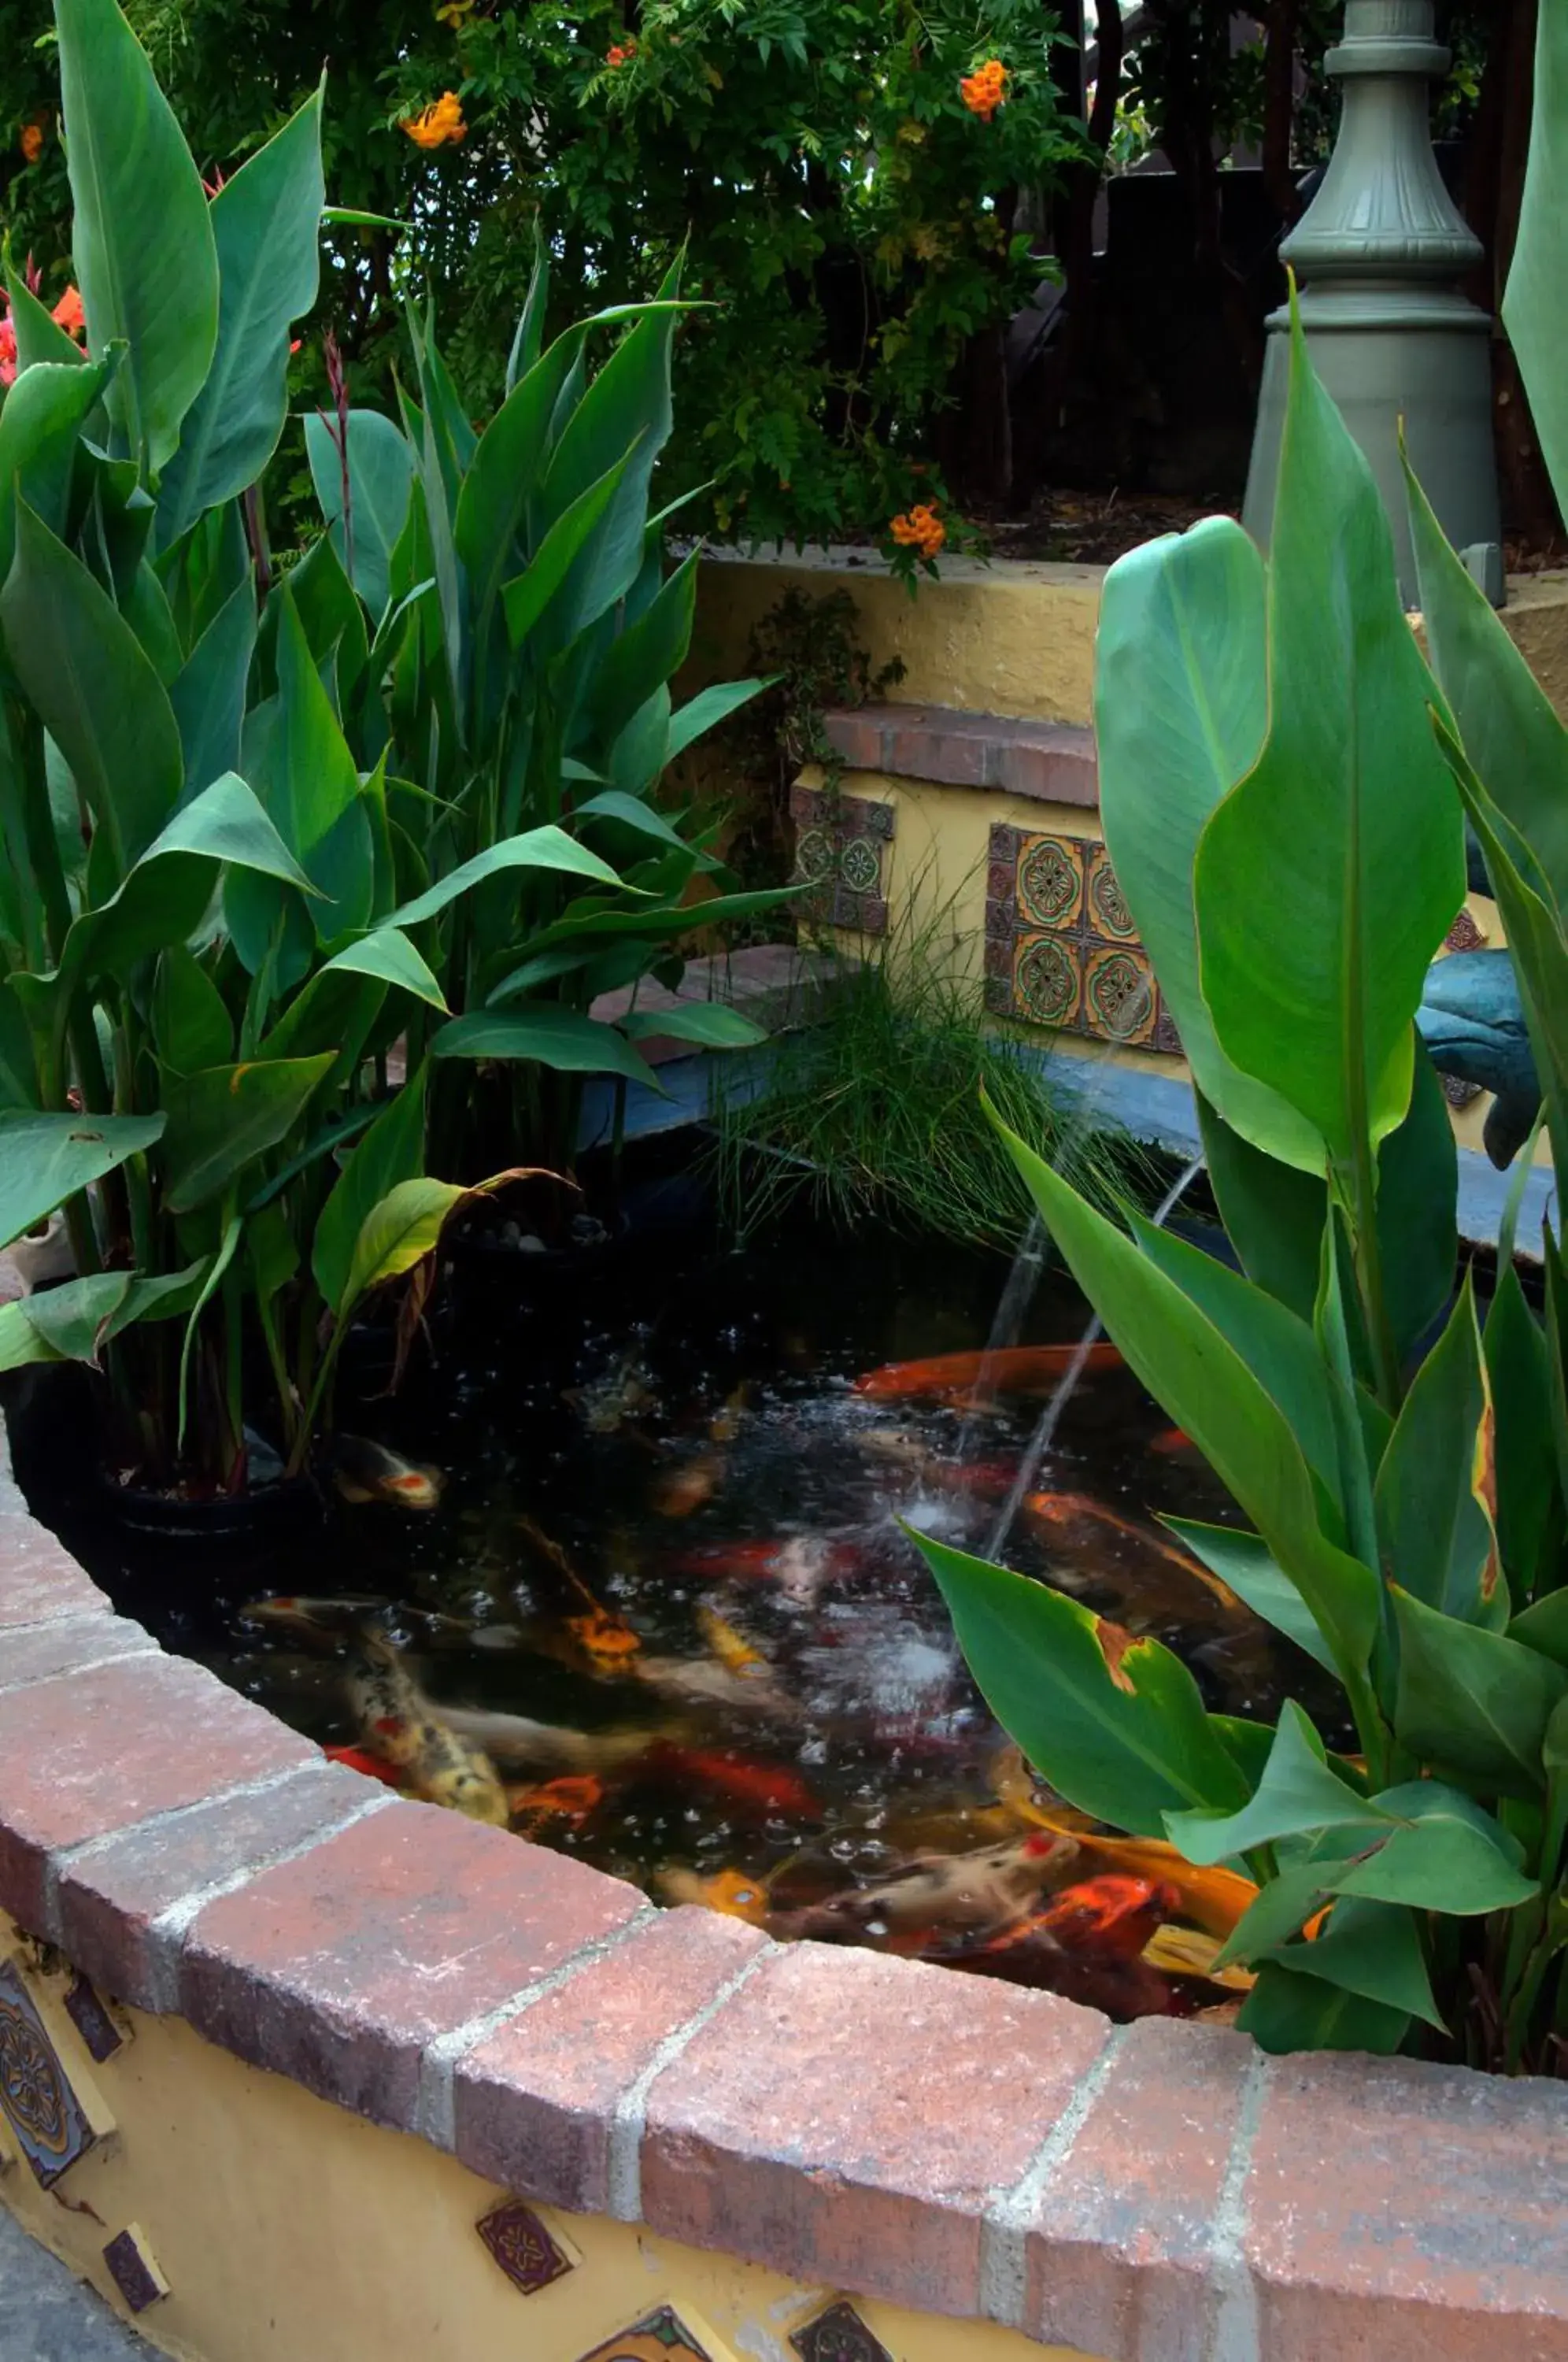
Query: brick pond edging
point(1159, 2193)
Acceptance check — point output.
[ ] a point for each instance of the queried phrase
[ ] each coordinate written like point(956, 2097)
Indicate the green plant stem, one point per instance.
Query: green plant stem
point(1520, 2010)
point(1363, 1209)
point(288, 1405)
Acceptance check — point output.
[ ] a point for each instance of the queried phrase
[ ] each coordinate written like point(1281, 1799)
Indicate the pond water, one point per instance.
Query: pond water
point(684, 1446)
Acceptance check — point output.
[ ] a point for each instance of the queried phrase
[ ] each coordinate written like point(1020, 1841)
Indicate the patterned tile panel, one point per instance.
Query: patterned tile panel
point(1061, 947)
point(838, 2335)
point(841, 845)
point(133, 2268)
point(523, 2247)
point(44, 2112)
point(661, 2337)
point(102, 2029)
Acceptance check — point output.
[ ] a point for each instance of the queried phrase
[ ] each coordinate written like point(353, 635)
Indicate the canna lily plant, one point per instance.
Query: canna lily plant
point(208, 927)
point(1285, 789)
point(524, 636)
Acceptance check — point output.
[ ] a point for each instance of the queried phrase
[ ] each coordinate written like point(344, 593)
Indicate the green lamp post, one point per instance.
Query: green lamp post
point(1378, 254)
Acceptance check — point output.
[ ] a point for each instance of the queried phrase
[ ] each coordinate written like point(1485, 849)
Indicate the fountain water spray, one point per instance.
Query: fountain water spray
point(1050, 1418)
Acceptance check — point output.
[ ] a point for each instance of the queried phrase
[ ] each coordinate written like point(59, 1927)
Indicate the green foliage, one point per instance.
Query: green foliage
point(848, 219)
point(1405, 1493)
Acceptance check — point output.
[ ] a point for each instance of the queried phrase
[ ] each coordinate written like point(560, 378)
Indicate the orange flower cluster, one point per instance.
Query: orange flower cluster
point(33, 138)
point(982, 91)
point(438, 126)
point(621, 53)
point(922, 529)
point(67, 313)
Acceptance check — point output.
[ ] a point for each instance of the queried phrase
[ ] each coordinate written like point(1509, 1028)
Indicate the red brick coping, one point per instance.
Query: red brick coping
point(1155, 2193)
point(1051, 762)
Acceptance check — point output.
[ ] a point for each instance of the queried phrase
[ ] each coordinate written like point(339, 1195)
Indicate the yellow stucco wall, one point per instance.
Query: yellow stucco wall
point(291, 2231)
point(1013, 638)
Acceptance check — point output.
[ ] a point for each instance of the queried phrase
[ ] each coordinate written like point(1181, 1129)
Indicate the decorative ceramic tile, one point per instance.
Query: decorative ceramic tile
point(1061, 947)
point(1457, 1092)
point(1466, 935)
point(99, 2025)
point(524, 2248)
point(662, 2337)
point(50, 2123)
point(840, 847)
point(133, 2268)
point(838, 2335)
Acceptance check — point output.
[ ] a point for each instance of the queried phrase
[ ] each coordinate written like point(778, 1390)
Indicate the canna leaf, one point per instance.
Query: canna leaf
point(1372, 1950)
point(1532, 307)
point(388, 1153)
point(548, 847)
point(550, 1036)
point(387, 953)
point(381, 483)
point(1297, 1796)
point(1322, 1008)
point(266, 226)
point(1472, 1702)
point(142, 238)
point(713, 1025)
point(1435, 1488)
point(1115, 1723)
point(44, 1159)
point(397, 1233)
point(39, 424)
point(1286, 2010)
point(223, 1117)
point(1244, 1562)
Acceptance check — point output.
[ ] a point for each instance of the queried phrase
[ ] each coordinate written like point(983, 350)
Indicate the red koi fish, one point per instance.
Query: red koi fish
point(750, 1786)
point(1015, 1369)
point(1114, 1915)
point(1172, 1442)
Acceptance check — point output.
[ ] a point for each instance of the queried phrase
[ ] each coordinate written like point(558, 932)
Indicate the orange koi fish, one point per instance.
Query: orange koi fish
point(799, 1566)
point(680, 1491)
point(1171, 1441)
point(536, 1804)
point(1015, 1369)
point(1113, 1916)
point(728, 1890)
point(603, 1638)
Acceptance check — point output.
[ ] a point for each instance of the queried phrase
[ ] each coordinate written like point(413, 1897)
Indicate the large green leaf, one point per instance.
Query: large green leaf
point(1505, 722)
point(222, 1118)
point(528, 594)
point(713, 1025)
point(1191, 1368)
point(94, 688)
point(1445, 1853)
point(1245, 1562)
point(1286, 2010)
point(1181, 711)
point(1279, 1349)
point(390, 1152)
point(142, 237)
point(1115, 1723)
point(1529, 1494)
point(387, 953)
point(627, 404)
point(1274, 1214)
point(39, 424)
point(644, 657)
point(583, 921)
point(1434, 1487)
point(380, 477)
point(548, 1035)
point(191, 1025)
point(505, 468)
point(266, 222)
point(208, 693)
point(44, 1159)
point(40, 340)
point(547, 848)
point(1533, 308)
point(1373, 1950)
point(396, 1234)
point(1297, 1796)
point(708, 708)
point(1474, 1702)
point(1312, 969)
point(1417, 1211)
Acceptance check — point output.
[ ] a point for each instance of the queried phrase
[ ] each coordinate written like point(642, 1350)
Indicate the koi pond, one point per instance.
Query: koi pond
point(628, 1572)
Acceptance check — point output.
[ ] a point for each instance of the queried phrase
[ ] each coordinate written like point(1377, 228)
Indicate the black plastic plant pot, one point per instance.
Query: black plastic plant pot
point(263, 1512)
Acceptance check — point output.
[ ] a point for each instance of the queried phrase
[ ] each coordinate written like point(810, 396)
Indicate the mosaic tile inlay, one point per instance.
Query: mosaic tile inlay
point(840, 849)
point(134, 2269)
point(95, 2020)
point(1061, 947)
point(44, 2112)
point(838, 2335)
point(523, 2247)
point(663, 2336)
